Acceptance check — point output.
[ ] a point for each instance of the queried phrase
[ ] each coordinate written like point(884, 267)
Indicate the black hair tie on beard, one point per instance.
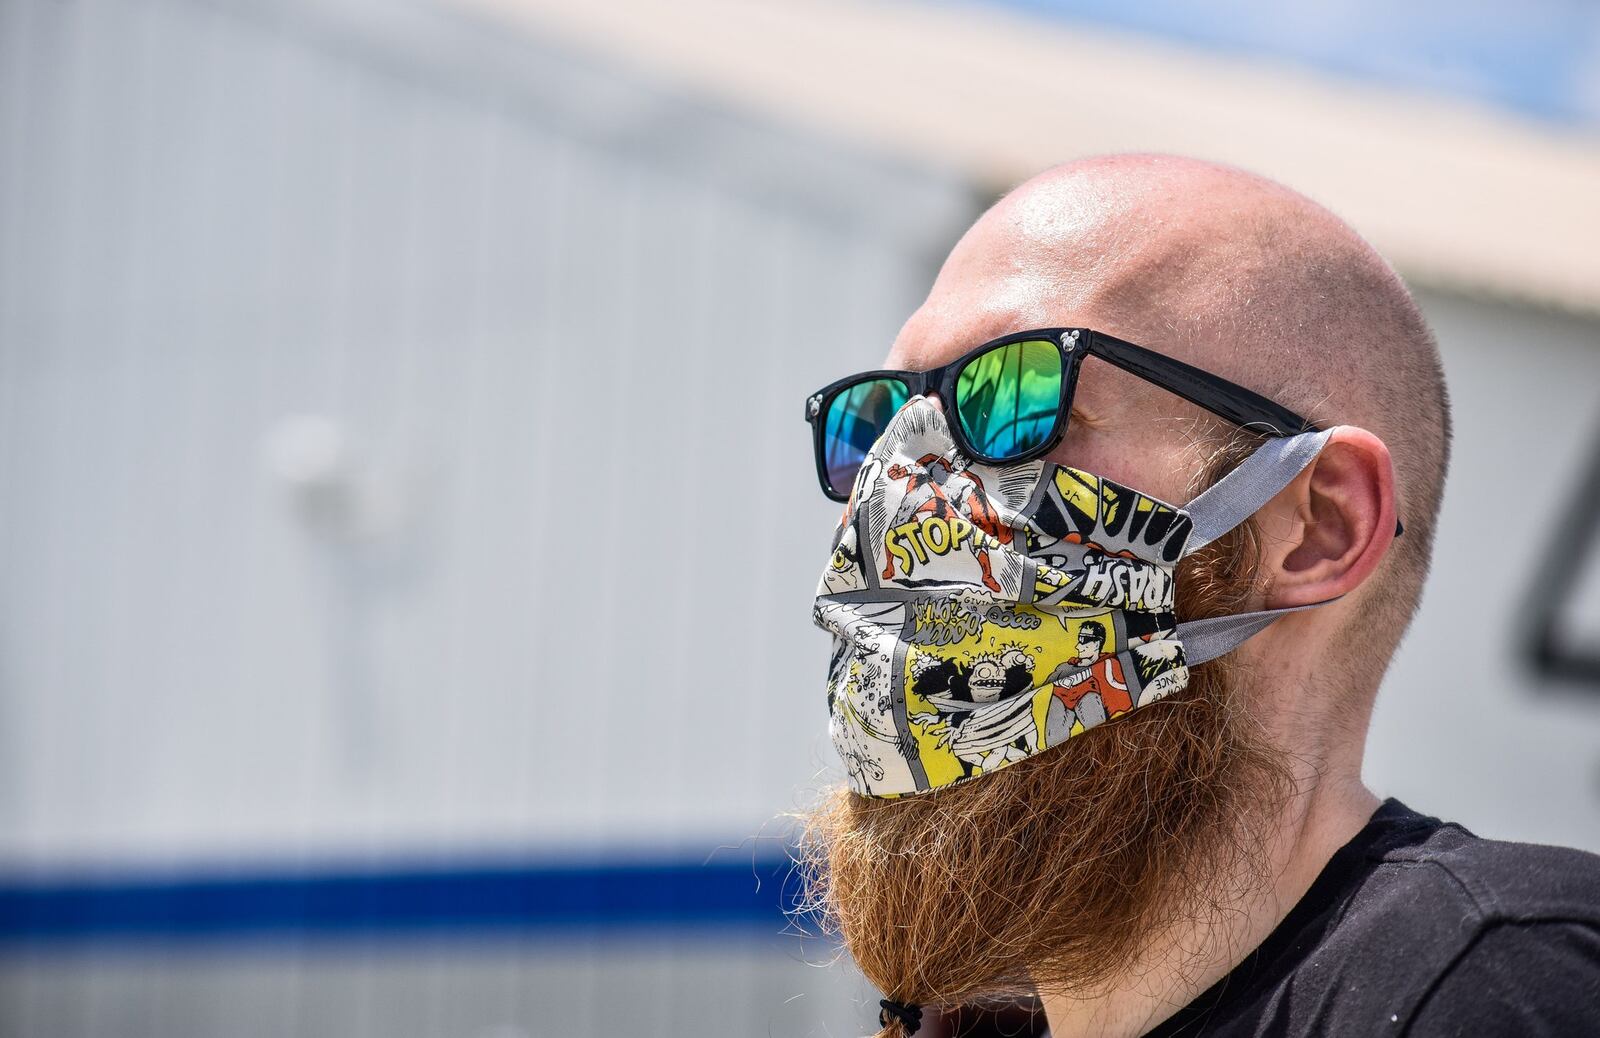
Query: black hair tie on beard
point(910, 1016)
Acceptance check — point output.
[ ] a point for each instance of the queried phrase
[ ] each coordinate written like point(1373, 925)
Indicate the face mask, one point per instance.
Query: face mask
point(981, 615)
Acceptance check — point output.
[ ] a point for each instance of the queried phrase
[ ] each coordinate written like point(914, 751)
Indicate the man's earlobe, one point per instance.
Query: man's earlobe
point(1341, 512)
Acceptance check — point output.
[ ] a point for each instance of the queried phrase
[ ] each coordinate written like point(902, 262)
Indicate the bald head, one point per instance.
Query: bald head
point(1228, 271)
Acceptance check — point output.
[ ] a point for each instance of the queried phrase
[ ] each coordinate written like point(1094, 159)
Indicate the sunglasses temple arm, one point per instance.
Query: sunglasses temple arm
point(1243, 407)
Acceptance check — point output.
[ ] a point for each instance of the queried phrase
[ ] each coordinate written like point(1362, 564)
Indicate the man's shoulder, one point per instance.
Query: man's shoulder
point(1419, 927)
point(1457, 929)
point(1489, 882)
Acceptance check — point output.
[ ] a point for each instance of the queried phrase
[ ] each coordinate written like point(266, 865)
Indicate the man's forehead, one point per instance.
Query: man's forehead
point(998, 279)
point(936, 335)
point(970, 305)
point(995, 282)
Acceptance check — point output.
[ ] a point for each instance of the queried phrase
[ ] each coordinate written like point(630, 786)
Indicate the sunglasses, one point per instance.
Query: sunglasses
point(1010, 399)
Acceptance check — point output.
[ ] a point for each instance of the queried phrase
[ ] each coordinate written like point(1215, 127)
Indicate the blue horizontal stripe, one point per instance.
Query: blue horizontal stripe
point(492, 899)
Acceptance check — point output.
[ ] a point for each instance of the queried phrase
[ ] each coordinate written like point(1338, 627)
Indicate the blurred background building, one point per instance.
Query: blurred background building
point(408, 531)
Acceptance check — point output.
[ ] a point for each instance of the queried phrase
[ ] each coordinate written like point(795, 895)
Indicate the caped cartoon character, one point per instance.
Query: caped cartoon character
point(958, 495)
point(1089, 688)
point(980, 718)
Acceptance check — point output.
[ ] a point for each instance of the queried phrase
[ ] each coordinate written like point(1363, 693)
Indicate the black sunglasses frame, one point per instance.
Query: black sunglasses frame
point(1229, 400)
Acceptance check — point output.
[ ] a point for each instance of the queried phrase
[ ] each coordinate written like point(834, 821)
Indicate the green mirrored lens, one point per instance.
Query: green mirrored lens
point(856, 418)
point(1008, 398)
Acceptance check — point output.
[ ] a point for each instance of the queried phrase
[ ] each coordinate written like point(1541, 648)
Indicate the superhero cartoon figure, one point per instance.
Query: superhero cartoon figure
point(1088, 688)
point(959, 494)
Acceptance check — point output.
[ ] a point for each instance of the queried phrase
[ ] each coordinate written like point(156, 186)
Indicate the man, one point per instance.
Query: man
point(1209, 863)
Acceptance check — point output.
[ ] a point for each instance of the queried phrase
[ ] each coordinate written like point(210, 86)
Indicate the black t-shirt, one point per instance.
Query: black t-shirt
point(1417, 927)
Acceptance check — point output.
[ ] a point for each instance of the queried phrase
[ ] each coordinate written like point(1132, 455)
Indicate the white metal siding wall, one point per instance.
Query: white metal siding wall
point(568, 323)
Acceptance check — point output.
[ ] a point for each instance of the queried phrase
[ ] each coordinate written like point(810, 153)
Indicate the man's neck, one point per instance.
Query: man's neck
point(1331, 809)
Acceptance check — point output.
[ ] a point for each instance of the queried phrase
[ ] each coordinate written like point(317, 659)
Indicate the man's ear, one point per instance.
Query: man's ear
point(1327, 531)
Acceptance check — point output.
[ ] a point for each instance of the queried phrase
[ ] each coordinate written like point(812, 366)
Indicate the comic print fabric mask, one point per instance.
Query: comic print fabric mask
point(981, 614)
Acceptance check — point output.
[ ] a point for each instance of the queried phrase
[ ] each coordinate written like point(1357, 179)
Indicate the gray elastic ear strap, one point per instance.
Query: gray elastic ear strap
point(1235, 498)
point(1258, 479)
point(1205, 640)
